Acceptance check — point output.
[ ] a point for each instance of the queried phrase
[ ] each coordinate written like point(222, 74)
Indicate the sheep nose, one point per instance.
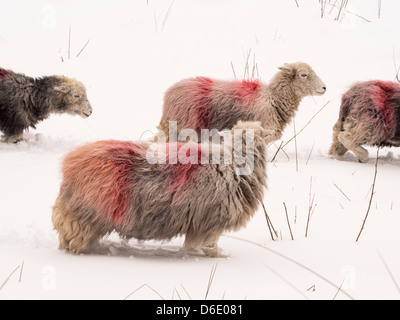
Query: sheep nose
point(324, 88)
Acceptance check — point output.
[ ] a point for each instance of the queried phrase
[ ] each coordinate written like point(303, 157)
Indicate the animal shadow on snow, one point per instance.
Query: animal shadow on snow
point(145, 250)
point(386, 156)
point(40, 143)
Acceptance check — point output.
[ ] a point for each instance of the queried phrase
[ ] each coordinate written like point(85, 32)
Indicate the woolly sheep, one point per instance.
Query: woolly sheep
point(204, 103)
point(113, 186)
point(369, 114)
point(24, 101)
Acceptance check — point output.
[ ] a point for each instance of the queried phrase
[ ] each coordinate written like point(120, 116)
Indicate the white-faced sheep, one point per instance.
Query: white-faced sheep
point(116, 186)
point(204, 103)
point(369, 115)
point(24, 101)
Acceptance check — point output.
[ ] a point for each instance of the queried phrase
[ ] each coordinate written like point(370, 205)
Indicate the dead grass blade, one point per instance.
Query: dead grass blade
point(287, 219)
point(372, 193)
point(287, 282)
point(292, 261)
point(87, 42)
point(211, 279)
point(312, 118)
point(269, 223)
point(341, 191)
point(390, 273)
point(8, 278)
point(184, 289)
point(142, 286)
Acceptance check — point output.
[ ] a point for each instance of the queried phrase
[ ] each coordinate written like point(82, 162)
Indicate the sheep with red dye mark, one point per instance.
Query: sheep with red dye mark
point(117, 186)
point(25, 101)
point(369, 115)
point(204, 103)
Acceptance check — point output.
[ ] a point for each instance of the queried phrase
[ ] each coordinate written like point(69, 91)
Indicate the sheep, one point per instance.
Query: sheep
point(117, 186)
point(25, 101)
point(369, 115)
point(204, 103)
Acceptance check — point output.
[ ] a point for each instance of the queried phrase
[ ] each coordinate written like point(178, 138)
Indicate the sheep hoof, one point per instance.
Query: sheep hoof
point(210, 251)
point(12, 139)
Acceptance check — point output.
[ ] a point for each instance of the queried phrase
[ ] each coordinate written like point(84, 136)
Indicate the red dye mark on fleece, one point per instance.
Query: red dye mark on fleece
point(247, 90)
point(100, 175)
point(381, 96)
point(3, 73)
point(201, 102)
point(184, 164)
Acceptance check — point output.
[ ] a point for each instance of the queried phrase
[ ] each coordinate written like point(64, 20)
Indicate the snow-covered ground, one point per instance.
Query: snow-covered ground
point(136, 50)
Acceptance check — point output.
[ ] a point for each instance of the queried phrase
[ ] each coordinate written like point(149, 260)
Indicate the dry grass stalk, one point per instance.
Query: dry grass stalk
point(233, 69)
point(397, 69)
point(166, 16)
point(173, 294)
point(342, 192)
point(343, 5)
point(311, 207)
point(309, 155)
point(292, 261)
point(287, 219)
point(287, 282)
point(276, 153)
point(8, 278)
point(390, 273)
point(269, 223)
point(372, 193)
point(184, 289)
point(69, 42)
point(312, 118)
point(379, 8)
point(20, 272)
point(295, 145)
point(246, 67)
point(211, 279)
point(142, 286)
point(87, 42)
point(338, 290)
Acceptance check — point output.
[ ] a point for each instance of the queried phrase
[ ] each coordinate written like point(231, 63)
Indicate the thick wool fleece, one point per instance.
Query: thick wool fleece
point(204, 103)
point(24, 101)
point(369, 114)
point(110, 185)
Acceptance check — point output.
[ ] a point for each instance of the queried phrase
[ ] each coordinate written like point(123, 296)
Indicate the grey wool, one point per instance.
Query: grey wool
point(25, 101)
point(204, 103)
point(116, 186)
point(369, 115)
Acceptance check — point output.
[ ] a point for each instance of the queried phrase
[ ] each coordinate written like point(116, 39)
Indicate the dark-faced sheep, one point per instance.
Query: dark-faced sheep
point(25, 101)
point(204, 103)
point(369, 115)
point(117, 186)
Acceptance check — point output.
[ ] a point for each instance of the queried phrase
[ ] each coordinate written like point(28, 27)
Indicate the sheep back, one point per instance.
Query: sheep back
point(204, 103)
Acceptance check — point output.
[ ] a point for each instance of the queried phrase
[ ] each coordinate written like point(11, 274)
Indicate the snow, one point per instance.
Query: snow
point(136, 50)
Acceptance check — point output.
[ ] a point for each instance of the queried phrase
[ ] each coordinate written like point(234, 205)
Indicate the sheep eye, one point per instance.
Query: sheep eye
point(77, 96)
point(304, 75)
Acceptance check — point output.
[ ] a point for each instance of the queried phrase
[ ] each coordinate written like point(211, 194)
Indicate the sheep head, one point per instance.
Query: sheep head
point(303, 79)
point(73, 98)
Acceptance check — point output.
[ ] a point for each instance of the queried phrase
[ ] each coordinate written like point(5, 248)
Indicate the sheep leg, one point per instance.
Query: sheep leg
point(210, 246)
point(336, 147)
point(15, 138)
point(74, 233)
point(346, 138)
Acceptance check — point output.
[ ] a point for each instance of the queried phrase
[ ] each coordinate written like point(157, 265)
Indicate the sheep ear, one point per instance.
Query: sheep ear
point(288, 70)
point(63, 89)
